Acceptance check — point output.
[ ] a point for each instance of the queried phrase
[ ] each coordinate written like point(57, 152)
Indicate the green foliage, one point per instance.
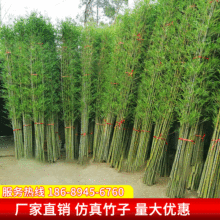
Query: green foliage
point(70, 42)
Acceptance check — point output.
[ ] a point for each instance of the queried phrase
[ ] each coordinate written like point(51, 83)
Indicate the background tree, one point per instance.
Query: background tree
point(111, 9)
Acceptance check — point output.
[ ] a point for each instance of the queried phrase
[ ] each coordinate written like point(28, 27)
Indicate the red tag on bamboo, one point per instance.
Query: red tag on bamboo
point(16, 129)
point(160, 138)
point(186, 140)
point(26, 125)
point(130, 73)
point(119, 123)
point(107, 123)
point(215, 142)
point(201, 137)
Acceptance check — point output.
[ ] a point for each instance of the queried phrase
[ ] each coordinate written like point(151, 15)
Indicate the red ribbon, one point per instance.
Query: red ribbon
point(139, 37)
point(38, 123)
point(130, 73)
point(107, 123)
point(26, 125)
point(136, 130)
point(84, 134)
point(186, 140)
point(16, 129)
point(120, 43)
point(140, 130)
point(34, 74)
point(215, 142)
point(114, 83)
point(160, 138)
point(168, 24)
point(70, 127)
point(200, 57)
point(201, 137)
point(119, 123)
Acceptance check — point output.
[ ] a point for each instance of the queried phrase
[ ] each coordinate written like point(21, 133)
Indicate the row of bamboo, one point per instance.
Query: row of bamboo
point(119, 90)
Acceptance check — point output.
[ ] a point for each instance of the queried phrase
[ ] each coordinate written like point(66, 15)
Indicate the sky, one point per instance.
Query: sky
point(54, 9)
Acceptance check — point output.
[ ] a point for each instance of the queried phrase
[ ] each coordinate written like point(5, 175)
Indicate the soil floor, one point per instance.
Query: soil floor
point(31, 172)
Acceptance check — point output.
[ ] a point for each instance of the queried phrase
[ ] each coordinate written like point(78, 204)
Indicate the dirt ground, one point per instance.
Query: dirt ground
point(31, 172)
